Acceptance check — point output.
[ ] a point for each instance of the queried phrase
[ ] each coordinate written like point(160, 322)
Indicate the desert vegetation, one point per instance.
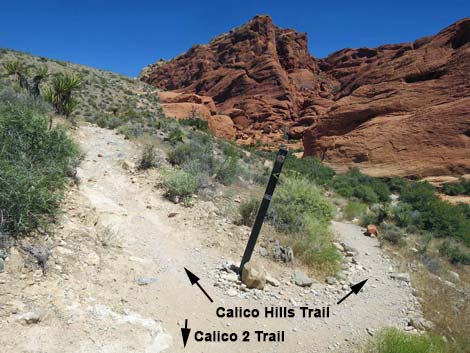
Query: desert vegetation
point(35, 161)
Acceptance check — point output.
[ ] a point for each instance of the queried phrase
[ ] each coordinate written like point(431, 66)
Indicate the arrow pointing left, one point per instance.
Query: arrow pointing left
point(195, 280)
point(185, 331)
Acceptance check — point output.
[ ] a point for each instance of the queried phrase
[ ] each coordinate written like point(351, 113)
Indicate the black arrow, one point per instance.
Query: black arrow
point(354, 289)
point(195, 280)
point(185, 332)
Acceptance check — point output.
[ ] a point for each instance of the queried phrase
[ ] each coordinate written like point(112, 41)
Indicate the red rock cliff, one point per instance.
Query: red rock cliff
point(404, 108)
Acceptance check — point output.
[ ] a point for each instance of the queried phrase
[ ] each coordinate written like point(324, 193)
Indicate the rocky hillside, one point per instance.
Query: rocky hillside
point(402, 107)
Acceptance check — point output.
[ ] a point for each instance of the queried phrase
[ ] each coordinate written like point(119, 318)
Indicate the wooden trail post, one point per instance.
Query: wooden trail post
point(280, 158)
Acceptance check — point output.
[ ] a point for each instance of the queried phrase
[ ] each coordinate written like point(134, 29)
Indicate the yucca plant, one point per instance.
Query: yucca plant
point(17, 68)
point(59, 94)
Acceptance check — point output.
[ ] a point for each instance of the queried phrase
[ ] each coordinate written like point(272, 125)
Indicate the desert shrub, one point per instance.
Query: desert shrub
point(392, 233)
point(365, 193)
point(436, 215)
point(355, 209)
point(456, 253)
point(296, 198)
point(34, 163)
point(226, 172)
point(194, 156)
point(464, 208)
point(197, 124)
point(404, 215)
point(314, 246)
point(393, 340)
point(462, 187)
point(310, 168)
point(397, 184)
point(181, 185)
point(109, 121)
point(364, 187)
point(175, 135)
point(149, 158)
point(248, 210)
point(230, 150)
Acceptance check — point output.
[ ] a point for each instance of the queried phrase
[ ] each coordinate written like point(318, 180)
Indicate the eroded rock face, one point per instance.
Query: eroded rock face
point(262, 76)
point(404, 108)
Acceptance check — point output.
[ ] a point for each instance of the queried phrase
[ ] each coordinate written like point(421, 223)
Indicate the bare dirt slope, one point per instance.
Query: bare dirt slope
point(134, 298)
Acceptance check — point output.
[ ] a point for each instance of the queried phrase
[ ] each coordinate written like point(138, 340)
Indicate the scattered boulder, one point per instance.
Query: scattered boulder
point(2, 265)
point(254, 276)
point(272, 281)
point(282, 253)
point(302, 280)
point(405, 277)
point(143, 281)
point(127, 165)
point(331, 280)
point(454, 276)
point(32, 317)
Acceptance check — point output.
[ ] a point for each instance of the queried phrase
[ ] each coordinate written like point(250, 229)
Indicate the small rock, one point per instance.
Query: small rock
point(253, 275)
point(302, 280)
point(370, 331)
point(232, 292)
point(338, 246)
point(127, 165)
point(272, 281)
point(330, 280)
point(143, 281)
point(232, 277)
point(262, 251)
point(32, 317)
point(172, 214)
point(401, 276)
point(2, 265)
point(454, 276)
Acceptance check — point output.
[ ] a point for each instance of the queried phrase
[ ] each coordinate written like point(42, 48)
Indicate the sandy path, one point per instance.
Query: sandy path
point(93, 303)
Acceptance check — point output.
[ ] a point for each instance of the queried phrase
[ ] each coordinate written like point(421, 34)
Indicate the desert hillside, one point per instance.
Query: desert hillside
point(399, 109)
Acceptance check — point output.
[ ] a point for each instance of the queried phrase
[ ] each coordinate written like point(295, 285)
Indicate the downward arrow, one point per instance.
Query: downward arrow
point(185, 331)
point(195, 280)
point(354, 289)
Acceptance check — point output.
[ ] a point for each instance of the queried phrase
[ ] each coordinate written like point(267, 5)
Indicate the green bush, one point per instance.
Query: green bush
point(403, 215)
point(248, 210)
point(314, 246)
point(34, 163)
point(197, 124)
point(355, 209)
point(462, 187)
point(364, 187)
point(181, 184)
point(310, 168)
point(175, 135)
point(149, 158)
point(456, 253)
point(397, 184)
point(227, 171)
point(194, 156)
point(436, 215)
point(395, 341)
point(392, 233)
point(296, 198)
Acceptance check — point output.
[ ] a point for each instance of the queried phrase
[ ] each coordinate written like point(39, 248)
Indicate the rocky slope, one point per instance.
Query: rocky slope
point(404, 107)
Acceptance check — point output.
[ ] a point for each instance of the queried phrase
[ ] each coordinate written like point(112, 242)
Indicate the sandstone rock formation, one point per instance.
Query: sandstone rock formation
point(404, 108)
point(192, 106)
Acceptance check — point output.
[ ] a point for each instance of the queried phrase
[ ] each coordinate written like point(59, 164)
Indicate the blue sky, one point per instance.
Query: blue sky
point(124, 36)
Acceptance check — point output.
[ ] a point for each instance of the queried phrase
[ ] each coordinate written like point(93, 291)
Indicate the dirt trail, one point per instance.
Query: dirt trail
point(134, 299)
